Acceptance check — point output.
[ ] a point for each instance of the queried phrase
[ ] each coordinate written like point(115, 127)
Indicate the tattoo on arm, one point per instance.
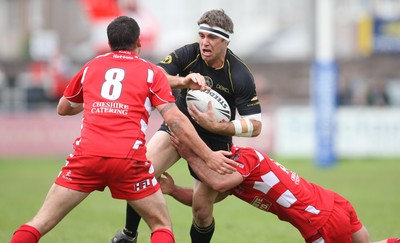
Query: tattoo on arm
point(166, 108)
point(175, 122)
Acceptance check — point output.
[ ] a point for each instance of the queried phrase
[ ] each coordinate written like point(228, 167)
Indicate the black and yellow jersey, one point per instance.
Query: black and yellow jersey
point(234, 81)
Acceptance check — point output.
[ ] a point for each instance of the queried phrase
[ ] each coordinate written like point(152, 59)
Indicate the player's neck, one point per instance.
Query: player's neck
point(217, 64)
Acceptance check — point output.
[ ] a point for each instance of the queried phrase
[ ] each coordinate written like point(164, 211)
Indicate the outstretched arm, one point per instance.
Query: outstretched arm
point(183, 195)
point(217, 182)
point(191, 81)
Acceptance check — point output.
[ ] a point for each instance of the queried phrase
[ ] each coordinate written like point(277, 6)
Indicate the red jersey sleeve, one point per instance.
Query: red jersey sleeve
point(160, 88)
point(73, 92)
point(247, 160)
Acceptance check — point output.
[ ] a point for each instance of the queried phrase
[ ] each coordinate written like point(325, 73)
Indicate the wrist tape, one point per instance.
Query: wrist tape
point(243, 127)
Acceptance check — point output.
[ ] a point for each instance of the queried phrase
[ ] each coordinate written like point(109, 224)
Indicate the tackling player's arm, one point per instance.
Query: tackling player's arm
point(67, 108)
point(217, 182)
point(191, 81)
point(246, 126)
point(183, 195)
point(180, 125)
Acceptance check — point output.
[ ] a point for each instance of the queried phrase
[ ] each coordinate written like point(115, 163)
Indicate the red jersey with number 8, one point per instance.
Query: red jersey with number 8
point(118, 91)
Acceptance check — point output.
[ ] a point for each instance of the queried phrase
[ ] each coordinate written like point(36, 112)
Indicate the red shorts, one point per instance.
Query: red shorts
point(127, 179)
point(341, 224)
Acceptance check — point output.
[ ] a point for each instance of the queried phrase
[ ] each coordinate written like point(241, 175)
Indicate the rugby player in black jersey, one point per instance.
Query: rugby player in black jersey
point(208, 63)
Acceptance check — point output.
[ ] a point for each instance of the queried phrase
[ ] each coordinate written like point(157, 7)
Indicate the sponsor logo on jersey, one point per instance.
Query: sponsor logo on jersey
point(240, 165)
point(116, 56)
point(255, 98)
point(67, 176)
point(261, 203)
point(167, 60)
point(222, 88)
point(109, 107)
point(209, 81)
point(254, 101)
point(295, 178)
point(141, 185)
point(235, 157)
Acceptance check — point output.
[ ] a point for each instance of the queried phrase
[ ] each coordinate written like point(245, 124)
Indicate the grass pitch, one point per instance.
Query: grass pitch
point(371, 185)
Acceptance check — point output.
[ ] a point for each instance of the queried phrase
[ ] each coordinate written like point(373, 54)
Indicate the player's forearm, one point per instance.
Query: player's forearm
point(222, 128)
point(229, 128)
point(206, 175)
point(175, 82)
point(180, 125)
point(188, 136)
point(183, 129)
point(183, 195)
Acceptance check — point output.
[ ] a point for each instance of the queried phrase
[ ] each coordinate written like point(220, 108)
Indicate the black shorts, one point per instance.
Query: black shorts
point(212, 144)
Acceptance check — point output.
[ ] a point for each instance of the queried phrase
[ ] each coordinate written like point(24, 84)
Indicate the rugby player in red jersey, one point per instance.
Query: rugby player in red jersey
point(116, 92)
point(320, 215)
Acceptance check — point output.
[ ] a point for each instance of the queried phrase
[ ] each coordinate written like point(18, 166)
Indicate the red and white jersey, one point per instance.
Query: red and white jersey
point(118, 91)
point(271, 187)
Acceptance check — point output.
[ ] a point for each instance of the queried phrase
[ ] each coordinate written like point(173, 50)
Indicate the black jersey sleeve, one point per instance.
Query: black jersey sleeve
point(244, 89)
point(179, 60)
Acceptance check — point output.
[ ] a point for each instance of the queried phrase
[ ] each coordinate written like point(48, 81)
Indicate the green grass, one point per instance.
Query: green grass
point(372, 186)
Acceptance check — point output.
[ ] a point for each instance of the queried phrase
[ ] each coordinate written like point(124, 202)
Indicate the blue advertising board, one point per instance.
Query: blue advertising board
point(324, 75)
point(386, 35)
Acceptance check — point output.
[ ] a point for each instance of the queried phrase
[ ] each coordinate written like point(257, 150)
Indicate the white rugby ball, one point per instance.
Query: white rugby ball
point(200, 99)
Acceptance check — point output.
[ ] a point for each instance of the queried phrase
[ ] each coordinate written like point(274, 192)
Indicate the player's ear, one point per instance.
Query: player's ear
point(138, 43)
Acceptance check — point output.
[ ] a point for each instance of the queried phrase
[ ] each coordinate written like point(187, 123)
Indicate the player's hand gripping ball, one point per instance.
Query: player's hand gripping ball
point(200, 99)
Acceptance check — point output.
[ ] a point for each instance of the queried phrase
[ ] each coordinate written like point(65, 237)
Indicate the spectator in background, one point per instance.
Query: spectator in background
point(377, 95)
point(101, 12)
point(353, 91)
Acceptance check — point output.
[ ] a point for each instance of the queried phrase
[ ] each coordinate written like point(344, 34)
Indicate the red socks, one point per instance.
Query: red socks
point(162, 236)
point(393, 240)
point(26, 234)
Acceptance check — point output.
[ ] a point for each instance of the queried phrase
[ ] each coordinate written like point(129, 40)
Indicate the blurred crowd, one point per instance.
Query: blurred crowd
point(46, 46)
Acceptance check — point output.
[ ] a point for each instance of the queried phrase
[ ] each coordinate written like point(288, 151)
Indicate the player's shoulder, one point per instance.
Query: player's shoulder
point(234, 59)
point(184, 52)
point(239, 69)
point(191, 49)
point(101, 57)
point(155, 69)
point(108, 58)
point(247, 151)
point(248, 158)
